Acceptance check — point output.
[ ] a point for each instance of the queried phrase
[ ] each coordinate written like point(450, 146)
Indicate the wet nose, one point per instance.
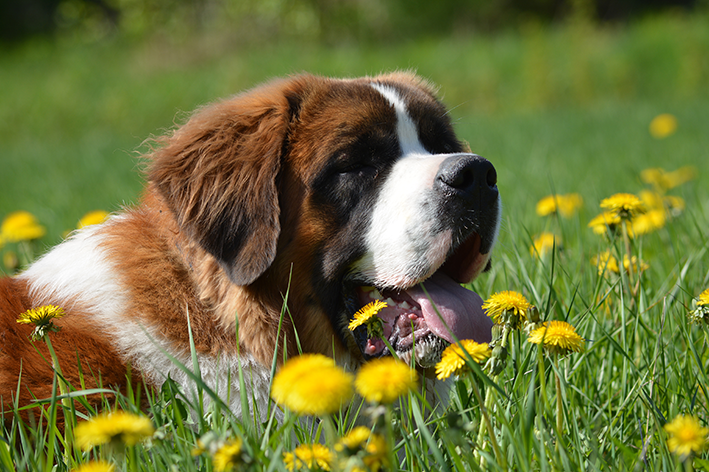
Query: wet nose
point(467, 176)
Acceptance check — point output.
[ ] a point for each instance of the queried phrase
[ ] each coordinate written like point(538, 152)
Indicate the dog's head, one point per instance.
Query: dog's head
point(349, 191)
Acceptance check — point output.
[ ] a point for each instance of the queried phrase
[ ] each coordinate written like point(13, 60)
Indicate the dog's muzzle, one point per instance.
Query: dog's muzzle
point(466, 186)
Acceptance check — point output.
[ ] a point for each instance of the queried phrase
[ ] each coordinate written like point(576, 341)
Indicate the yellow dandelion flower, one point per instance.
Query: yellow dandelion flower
point(354, 440)
point(371, 447)
point(42, 318)
point(648, 222)
point(96, 466)
point(507, 307)
point(686, 435)
point(385, 379)
point(199, 449)
point(700, 308)
point(228, 455)
point(376, 456)
point(663, 180)
point(10, 260)
point(310, 456)
point(311, 384)
point(604, 222)
point(703, 299)
point(21, 226)
point(605, 261)
point(543, 244)
point(654, 176)
point(366, 314)
point(210, 442)
point(651, 199)
point(92, 218)
point(454, 358)
point(117, 429)
point(680, 176)
point(547, 205)
point(665, 205)
point(564, 205)
point(623, 205)
point(673, 205)
point(634, 264)
point(41, 315)
point(557, 337)
point(663, 125)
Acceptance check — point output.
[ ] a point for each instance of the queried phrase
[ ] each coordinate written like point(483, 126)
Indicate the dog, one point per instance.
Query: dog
point(267, 221)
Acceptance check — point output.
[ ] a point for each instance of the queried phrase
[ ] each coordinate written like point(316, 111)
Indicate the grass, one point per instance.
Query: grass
point(556, 111)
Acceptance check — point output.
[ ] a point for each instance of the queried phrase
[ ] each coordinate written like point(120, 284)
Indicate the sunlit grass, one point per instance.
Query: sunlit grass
point(553, 114)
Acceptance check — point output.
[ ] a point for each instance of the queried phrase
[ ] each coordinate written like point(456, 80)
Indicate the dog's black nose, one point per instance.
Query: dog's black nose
point(467, 175)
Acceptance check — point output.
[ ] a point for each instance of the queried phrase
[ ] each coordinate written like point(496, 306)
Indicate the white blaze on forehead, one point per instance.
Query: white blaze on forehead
point(405, 127)
point(405, 243)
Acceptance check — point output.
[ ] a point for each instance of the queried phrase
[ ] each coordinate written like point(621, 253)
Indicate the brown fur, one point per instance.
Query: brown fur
point(30, 362)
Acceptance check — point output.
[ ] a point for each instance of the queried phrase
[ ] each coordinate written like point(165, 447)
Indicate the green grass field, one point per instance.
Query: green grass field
point(557, 111)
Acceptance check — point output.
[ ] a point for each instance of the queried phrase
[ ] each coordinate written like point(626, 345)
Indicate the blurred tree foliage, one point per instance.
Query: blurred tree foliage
point(324, 20)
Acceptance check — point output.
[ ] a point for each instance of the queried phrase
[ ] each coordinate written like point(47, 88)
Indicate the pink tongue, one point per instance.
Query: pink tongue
point(458, 308)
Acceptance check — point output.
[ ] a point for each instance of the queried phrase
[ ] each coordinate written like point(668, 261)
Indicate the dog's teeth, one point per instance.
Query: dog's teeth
point(404, 305)
point(390, 302)
point(374, 294)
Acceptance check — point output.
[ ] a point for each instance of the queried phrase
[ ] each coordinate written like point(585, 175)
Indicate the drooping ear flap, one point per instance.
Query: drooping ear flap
point(218, 174)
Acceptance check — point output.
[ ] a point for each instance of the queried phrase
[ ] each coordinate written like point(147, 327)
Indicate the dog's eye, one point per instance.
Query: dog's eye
point(359, 169)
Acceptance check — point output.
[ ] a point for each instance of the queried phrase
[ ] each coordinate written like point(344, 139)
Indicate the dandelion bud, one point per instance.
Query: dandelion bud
point(500, 352)
point(700, 308)
point(496, 364)
point(533, 314)
point(533, 322)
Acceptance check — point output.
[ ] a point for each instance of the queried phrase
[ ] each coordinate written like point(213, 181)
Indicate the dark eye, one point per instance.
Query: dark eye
point(359, 169)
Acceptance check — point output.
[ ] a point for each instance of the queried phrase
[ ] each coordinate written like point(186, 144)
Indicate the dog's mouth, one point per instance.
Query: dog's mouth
point(419, 321)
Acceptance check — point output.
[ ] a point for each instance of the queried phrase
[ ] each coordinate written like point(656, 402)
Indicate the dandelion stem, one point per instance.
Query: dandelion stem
point(63, 388)
point(502, 461)
point(67, 403)
point(488, 405)
point(542, 379)
point(628, 254)
point(688, 465)
point(559, 405)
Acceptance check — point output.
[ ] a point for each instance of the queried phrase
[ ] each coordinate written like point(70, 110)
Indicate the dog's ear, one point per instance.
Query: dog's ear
point(218, 174)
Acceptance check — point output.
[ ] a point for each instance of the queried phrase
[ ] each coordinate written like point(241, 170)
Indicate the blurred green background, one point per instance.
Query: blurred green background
point(557, 94)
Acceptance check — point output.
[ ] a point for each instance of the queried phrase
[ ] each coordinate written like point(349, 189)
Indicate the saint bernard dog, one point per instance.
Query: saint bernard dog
point(268, 220)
